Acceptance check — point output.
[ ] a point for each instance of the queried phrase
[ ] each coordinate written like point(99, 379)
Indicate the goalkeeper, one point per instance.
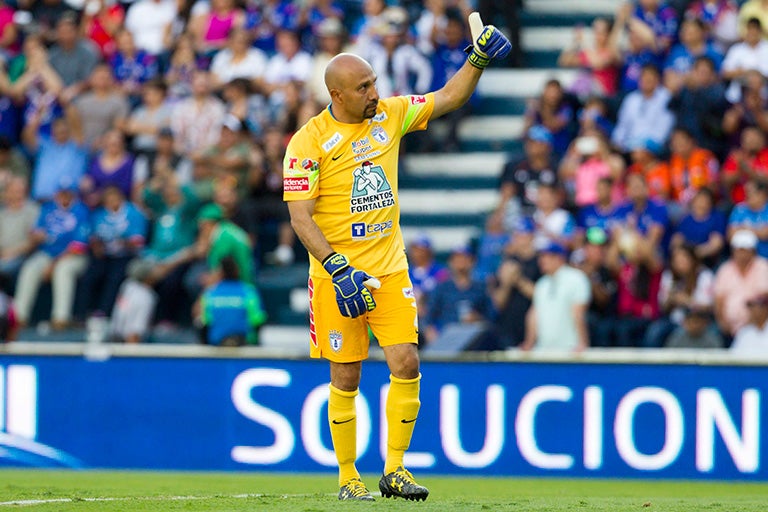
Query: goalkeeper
point(340, 182)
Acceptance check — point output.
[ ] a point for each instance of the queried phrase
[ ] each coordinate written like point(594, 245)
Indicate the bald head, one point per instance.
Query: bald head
point(344, 70)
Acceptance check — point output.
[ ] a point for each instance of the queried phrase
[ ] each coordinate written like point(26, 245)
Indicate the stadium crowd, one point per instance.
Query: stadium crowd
point(141, 151)
point(638, 216)
point(142, 145)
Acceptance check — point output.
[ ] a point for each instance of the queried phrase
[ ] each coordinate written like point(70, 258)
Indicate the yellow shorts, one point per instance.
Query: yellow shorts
point(345, 340)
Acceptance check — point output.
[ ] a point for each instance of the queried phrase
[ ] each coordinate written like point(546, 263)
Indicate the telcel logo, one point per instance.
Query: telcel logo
point(363, 230)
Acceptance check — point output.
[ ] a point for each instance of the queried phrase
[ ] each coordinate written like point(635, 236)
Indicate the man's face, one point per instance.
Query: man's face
point(359, 97)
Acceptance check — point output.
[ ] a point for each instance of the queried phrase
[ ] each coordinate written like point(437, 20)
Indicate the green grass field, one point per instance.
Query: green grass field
point(197, 492)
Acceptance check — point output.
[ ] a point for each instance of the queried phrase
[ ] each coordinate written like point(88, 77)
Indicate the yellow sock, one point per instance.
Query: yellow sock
point(342, 417)
point(402, 410)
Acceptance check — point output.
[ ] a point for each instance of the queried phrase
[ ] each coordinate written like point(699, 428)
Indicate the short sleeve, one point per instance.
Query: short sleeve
point(301, 168)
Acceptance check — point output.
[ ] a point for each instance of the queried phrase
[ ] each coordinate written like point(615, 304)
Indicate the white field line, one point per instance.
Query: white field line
point(29, 503)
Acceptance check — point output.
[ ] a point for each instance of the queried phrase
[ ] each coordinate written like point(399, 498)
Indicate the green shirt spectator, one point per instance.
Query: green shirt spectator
point(173, 209)
point(226, 239)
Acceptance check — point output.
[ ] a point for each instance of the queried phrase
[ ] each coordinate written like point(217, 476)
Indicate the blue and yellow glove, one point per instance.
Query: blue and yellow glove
point(490, 44)
point(352, 297)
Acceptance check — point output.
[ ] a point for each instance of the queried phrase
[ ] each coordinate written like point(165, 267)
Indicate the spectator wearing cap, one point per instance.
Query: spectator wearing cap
point(602, 213)
point(644, 155)
point(424, 270)
point(238, 60)
point(400, 68)
point(602, 305)
point(511, 289)
point(555, 111)
point(490, 247)
point(562, 293)
point(145, 122)
point(118, 234)
point(60, 155)
point(703, 227)
point(752, 9)
point(19, 215)
point(742, 277)
point(747, 161)
point(459, 299)
point(685, 284)
point(752, 338)
point(520, 179)
point(229, 157)
point(752, 214)
point(219, 238)
point(695, 331)
point(61, 239)
point(588, 159)
point(643, 114)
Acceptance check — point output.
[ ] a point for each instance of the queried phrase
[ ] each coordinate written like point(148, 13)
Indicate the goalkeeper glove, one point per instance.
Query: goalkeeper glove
point(352, 297)
point(490, 44)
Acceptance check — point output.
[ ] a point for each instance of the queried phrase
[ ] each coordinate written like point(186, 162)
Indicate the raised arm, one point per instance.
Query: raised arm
point(488, 45)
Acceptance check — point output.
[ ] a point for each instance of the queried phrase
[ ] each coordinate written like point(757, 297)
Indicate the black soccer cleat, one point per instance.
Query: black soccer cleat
point(355, 490)
point(400, 484)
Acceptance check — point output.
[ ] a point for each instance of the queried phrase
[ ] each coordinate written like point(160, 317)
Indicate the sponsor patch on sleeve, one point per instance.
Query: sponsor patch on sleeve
point(296, 184)
point(418, 100)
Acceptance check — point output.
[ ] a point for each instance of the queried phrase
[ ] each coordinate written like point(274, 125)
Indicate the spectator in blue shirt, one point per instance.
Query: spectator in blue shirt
point(460, 299)
point(447, 58)
point(659, 18)
point(231, 310)
point(693, 44)
point(601, 214)
point(61, 155)
point(641, 215)
point(703, 228)
point(752, 214)
point(119, 231)
point(61, 235)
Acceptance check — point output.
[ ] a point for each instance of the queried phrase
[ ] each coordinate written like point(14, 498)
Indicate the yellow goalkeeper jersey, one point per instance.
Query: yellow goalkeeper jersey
point(351, 171)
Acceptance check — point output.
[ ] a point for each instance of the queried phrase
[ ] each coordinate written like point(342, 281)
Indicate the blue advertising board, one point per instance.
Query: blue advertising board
point(491, 418)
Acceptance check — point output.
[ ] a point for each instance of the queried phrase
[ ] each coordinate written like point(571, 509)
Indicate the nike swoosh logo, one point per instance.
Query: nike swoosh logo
point(341, 422)
point(334, 158)
point(408, 421)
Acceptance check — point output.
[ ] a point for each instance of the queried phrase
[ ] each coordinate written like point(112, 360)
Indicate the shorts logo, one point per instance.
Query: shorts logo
point(418, 100)
point(334, 339)
point(296, 184)
point(379, 135)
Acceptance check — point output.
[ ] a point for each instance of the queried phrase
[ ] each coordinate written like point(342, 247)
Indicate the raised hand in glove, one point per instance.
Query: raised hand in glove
point(490, 44)
point(352, 296)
